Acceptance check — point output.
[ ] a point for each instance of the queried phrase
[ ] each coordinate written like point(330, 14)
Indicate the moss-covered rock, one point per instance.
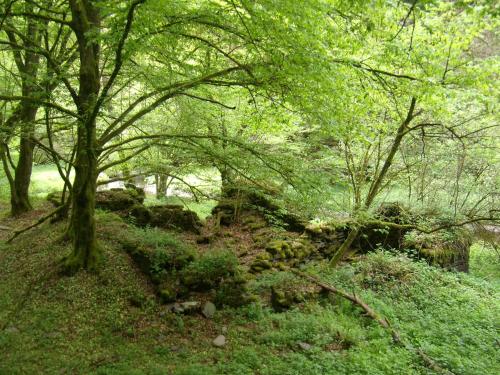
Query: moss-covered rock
point(448, 248)
point(140, 215)
point(137, 192)
point(210, 270)
point(116, 199)
point(283, 253)
point(168, 294)
point(284, 296)
point(240, 203)
point(233, 292)
point(175, 217)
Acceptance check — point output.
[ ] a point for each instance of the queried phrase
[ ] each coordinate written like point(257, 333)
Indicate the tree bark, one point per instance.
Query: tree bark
point(82, 228)
point(25, 116)
point(161, 185)
point(20, 202)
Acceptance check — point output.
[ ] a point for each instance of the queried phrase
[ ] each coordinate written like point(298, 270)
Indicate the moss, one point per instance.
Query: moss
point(116, 199)
point(55, 198)
point(447, 248)
point(233, 293)
point(175, 217)
point(140, 215)
point(137, 299)
point(280, 300)
point(276, 246)
point(210, 269)
point(256, 226)
point(168, 294)
point(259, 265)
point(264, 256)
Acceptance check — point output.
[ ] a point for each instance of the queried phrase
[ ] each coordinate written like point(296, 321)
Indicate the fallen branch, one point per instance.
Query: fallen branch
point(3, 227)
point(37, 223)
point(396, 337)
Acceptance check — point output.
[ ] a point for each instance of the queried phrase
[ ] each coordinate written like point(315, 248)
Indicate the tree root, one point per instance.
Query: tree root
point(396, 337)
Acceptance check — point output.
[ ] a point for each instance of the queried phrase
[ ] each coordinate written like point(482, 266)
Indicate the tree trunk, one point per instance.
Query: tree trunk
point(161, 185)
point(20, 202)
point(82, 228)
point(227, 181)
point(25, 117)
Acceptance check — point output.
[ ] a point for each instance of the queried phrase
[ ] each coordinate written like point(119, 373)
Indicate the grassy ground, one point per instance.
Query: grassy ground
point(88, 324)
point(44, 179)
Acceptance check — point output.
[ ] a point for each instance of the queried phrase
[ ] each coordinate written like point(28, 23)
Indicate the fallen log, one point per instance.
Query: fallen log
point(383, 322)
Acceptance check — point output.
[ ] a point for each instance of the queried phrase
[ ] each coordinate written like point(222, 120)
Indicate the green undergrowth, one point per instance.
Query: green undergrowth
point(485, 262)
point(90, 323)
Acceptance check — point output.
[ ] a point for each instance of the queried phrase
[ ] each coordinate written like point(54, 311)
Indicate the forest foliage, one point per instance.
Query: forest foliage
point(311, 130)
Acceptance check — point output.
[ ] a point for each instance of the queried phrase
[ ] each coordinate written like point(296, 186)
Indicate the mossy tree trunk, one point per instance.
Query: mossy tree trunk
point(24, 116)
point(162, 183)
point(82, 228)
point(20, 202)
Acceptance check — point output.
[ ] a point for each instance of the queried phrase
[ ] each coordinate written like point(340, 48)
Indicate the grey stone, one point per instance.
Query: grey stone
point(208, 310)
point(305, 346)
point(219, 341)
point(184, 307)
point(12, 329)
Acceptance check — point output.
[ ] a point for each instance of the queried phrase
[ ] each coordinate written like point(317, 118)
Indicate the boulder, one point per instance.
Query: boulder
point(189, 307)
point(283, 253)
point(219, 341)
point(140, 215)
point(175, 217)
point(117, 200)
point(448, 248)
point(238, 204)
point(139, 193)
point(208, 310)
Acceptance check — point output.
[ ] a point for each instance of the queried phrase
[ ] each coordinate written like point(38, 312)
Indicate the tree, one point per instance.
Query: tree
point(164, 47)
point(31, 39)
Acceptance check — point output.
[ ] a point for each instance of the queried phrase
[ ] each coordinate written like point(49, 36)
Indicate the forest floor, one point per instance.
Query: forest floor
point(88, 323)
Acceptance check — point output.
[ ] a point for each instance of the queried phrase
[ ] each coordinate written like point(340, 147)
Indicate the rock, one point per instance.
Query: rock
point(281, 300)
point(139, 193)
point(184, 307)
point(259, 265)
point(55, 198)
point(247, 201)
point(204, 240)
point(168, 294)
point(175, 217)
point(305, 346)
point(224, 329)
point(208, 310)
point(12, 329)
point(140, 214)
point(219, 341)
point(116, 199)
point(137, 299)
